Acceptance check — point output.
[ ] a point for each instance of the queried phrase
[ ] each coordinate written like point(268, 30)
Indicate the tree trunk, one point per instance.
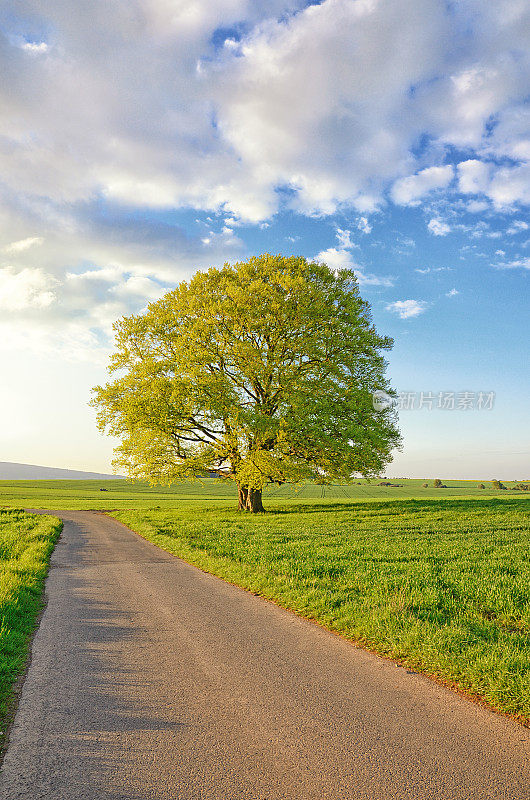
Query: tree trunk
point(254, 503)
point(242, 497)
point(249, 499)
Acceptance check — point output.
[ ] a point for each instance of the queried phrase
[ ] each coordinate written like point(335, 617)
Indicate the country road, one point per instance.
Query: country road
point(151, 680)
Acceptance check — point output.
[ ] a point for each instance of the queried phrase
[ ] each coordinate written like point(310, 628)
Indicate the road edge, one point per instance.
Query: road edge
point(445, 683)
point(8, 720)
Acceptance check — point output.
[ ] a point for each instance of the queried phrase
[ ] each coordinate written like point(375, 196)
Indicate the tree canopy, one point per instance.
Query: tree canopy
point(263, 370)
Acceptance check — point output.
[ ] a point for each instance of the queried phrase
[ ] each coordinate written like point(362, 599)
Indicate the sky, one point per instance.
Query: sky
point(142, 141)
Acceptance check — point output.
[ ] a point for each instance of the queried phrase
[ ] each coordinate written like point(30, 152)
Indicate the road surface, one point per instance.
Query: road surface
point(151, 680)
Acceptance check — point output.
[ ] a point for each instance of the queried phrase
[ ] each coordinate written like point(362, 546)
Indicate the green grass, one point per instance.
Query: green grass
point(441, 585)
point(60, 494)
point(26, 543)
point(436, 578)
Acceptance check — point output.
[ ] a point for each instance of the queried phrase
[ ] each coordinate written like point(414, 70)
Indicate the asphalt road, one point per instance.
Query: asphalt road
point(150, 679)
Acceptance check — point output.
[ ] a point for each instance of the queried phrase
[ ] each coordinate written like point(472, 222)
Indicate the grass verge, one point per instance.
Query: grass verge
point(26, 543)
point(441, 586)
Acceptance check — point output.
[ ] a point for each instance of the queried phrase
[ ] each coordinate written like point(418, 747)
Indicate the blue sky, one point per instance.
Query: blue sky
point(142, 141)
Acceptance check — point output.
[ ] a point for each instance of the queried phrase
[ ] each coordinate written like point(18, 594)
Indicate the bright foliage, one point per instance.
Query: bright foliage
point(264, 369)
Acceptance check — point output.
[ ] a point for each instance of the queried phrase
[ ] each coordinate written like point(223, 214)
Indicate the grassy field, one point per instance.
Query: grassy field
point(436, 578)
point(26, 543)
point(60, 494)
point(442, 586)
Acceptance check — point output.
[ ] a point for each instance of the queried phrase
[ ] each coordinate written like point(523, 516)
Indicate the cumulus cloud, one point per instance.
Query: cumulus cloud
point(452, 293)
point(63, 295)
point(381, 76)
point(337, 258)
point(438, 227)
point(510, 186)
point(27, 289)
point(23, 244)
point(473, 176)
point(505, 186)
point(238, 110)
point(408, 191)
point(36, 48)
point(141, 287)
point(407, 308)
point(476, 206)
point(328, 100)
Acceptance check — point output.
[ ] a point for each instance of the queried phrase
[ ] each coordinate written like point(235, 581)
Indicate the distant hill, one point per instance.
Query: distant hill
point(21, 472)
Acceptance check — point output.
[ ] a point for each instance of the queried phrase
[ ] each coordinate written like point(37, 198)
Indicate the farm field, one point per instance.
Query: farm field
point(109, 494)
point(26, 543)
point(441, 586)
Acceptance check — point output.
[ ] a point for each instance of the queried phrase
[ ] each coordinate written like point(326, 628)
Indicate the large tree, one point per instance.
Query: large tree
point(263, 370)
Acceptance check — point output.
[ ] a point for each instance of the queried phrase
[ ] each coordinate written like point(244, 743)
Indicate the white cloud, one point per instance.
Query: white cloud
point(324, 105)
point(510, 136)
point(473, 176)
point(408, 191)
point(476, 206)
point(407, 308)
point(23, 244)
point(96, 270)
point(27, 289)
point(510, 186)
point(139, 287)
point(518, 226)
point(36, 48)
point(339, 258)
point(452, 293)
point(328, 100)
point(336, 258)
point(517, 263)
point(344, 238)
point(438, 227)
point(428, 270)
point(369, 279)
point(363, 225)
point(505, 186)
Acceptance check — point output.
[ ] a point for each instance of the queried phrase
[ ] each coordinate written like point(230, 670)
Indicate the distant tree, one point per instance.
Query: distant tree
point(263, 370)
point(437, 483)
point(425, 485)
point(497, 484)
point(481, 486)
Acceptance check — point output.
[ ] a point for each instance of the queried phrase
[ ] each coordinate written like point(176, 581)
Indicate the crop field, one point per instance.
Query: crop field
point(442, 586)
point(26, 543)
point(111, 494)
